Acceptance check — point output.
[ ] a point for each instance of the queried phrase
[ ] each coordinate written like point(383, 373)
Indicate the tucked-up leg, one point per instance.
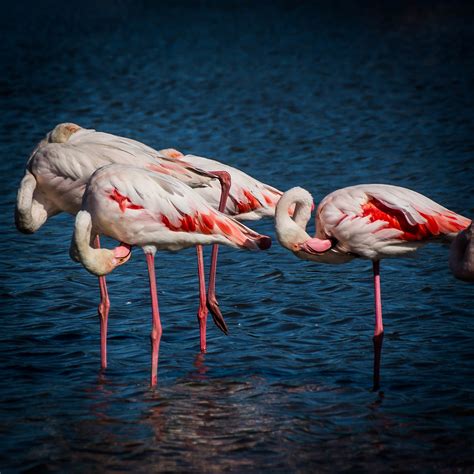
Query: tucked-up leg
point(212, 303)
point(156, 330)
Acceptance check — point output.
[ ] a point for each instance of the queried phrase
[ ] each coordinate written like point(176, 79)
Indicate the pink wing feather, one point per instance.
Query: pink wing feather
point(416, 215)
point(162, 202)
point(377, 221)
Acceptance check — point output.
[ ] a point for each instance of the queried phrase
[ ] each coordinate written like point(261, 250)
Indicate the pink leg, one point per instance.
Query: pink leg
point(202, 311)
point(103, 310)
point(378, 299)
point(378, 333)
point(212, 303)
point(156, 323)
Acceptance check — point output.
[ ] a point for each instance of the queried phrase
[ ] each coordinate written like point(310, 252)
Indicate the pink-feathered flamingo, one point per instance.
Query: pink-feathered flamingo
point(155, 212)
point(59, 168)
point(372, 221)
point(248, 199)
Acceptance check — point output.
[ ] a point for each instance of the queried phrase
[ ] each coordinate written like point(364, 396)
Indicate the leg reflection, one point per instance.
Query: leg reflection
point(377, 356)
point(201, 368)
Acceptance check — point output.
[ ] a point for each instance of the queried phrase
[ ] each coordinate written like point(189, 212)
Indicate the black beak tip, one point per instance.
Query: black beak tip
point(264, 242)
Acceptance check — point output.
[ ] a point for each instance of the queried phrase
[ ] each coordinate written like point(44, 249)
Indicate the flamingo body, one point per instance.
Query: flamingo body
point(371, 221)
point(156, 212)
point(144, 208)
point(377, 221)
point(63, 162)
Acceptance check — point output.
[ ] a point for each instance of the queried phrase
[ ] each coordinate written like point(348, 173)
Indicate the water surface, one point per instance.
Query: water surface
point(295, 95)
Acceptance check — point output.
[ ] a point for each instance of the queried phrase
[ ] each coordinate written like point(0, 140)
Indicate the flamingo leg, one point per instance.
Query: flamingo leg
point(156, 330)
point(212, 303)
point(103, 311)
point(378, 333)
point(202, 311)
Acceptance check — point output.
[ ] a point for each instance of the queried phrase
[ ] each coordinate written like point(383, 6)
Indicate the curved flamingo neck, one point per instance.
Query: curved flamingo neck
point(292, 230)
point(31, 213)
point(97, 261)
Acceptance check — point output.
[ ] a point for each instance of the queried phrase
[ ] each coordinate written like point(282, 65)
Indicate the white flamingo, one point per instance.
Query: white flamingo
point(371, 221)
point(155, 212)
point(59, 168)
point(248, 199)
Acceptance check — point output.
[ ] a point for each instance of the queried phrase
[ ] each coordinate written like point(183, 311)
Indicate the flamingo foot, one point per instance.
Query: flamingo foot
point(377, 357)
point(215, 311)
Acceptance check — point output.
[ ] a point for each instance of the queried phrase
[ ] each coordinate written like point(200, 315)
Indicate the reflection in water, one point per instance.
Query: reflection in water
point(201, 369)
point(189, 424)
point(377, 340)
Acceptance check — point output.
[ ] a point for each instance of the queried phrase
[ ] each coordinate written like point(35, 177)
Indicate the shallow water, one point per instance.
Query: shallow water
point(295, 95)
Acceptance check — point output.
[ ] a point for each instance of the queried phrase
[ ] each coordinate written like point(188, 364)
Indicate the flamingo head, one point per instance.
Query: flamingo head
point(105, 261)
point(98, 261)
point(62, 132)
point(171, 153)
point(291, 228)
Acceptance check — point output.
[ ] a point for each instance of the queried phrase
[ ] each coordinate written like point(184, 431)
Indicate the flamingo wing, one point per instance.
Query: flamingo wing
point(158, 195)
point(81, 155)
point(371, 219)
point(123, 150)
point(167, 203)
point(416, 215)
point(88, 150)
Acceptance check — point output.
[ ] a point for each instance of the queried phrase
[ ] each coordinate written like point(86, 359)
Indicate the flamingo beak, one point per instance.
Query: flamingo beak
point(122, 253)
point(314, 246)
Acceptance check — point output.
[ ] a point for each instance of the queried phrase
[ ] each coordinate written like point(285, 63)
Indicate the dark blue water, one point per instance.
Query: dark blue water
point(294, 94)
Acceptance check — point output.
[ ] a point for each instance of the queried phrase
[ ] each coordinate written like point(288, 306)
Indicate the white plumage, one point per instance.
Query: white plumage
point(61, 169)
point(141, 208)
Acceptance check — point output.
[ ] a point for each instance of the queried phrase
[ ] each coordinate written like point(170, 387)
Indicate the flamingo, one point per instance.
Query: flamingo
point(371, 221)
point(59, 168)
point(461, 257)
point(155, 212)
point(248, 199)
